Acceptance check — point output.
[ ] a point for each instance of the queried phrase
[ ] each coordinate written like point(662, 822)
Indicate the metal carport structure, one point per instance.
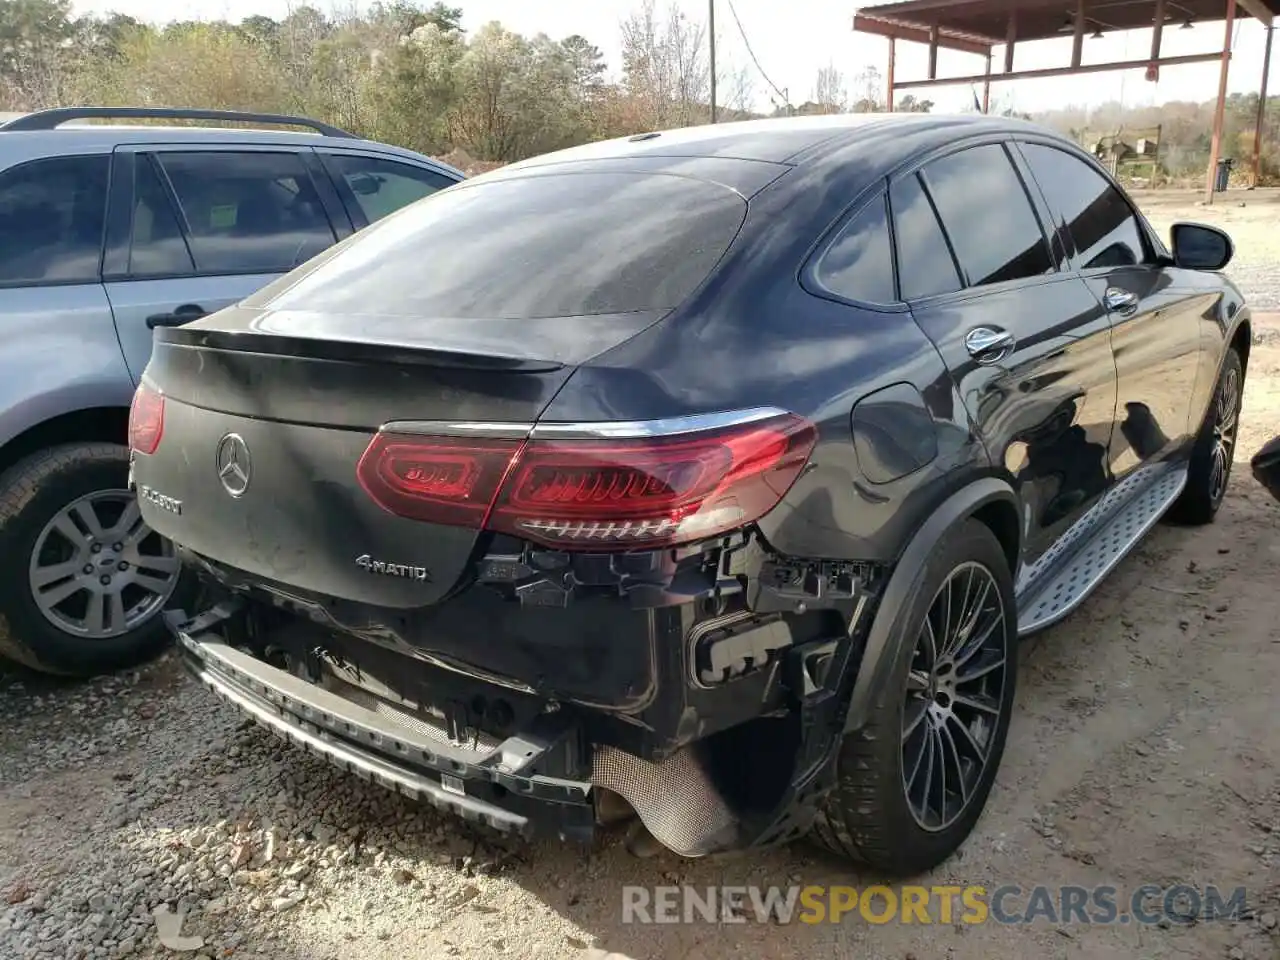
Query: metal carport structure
point(978, 26)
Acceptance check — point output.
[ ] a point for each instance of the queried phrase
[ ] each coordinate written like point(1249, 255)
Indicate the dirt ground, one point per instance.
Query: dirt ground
point(1145, 749)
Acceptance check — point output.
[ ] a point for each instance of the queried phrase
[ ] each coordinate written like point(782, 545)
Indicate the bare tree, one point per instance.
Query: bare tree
point(735, 90)
point(665, 65)
point(868, 91)
point(829, 90)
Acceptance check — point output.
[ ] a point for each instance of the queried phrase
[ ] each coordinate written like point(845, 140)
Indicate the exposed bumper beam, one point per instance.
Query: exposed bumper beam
point(898, 30)
point(1060, 71)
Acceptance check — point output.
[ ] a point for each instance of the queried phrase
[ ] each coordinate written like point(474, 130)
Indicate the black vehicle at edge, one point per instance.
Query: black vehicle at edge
point(720, 469)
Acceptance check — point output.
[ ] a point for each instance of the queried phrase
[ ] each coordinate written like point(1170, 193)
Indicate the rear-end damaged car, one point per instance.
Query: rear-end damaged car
point(719, 470)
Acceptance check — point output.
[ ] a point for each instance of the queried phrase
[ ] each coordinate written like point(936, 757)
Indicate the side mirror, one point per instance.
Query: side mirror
point(1198, 246)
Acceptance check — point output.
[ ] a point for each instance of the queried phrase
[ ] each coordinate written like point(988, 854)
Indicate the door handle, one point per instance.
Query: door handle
point(183, 314)
point(988, 344)
point(1120, 301)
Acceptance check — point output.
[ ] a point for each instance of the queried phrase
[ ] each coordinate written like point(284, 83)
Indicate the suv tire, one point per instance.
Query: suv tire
point(879, 811)
point(67, 550)
point(1210, 468)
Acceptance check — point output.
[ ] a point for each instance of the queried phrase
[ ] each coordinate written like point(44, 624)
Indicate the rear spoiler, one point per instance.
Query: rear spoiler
point(348, 351)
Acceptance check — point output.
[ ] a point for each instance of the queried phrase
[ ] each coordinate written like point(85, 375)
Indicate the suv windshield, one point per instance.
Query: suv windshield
point(552, 245)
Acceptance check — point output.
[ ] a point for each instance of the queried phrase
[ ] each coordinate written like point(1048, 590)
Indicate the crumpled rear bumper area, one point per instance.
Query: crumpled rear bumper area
point(539, 782)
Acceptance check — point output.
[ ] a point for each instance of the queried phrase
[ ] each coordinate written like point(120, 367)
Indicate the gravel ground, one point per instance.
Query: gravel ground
point(140, 818)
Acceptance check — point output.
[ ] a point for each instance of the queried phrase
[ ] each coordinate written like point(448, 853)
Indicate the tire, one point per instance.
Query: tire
point(1206, 482)
point(90, 479)
point(868, 817)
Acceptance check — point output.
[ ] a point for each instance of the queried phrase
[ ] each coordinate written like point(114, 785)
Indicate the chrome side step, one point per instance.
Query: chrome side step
point(1069, 571)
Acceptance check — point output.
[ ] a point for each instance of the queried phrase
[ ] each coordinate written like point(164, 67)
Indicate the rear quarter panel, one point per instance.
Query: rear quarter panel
point(58, 354)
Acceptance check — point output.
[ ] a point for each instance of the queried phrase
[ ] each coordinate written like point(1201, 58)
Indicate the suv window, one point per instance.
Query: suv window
point(531, 247)
point(859, 262)
point(925, 265)
point(248, 212)
point(51, 219)
point(1098, 218)
point(157, 247)
point(378, 186)
point(985, 211)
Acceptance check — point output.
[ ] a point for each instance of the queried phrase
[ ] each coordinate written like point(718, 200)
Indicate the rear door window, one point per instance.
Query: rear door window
point(157, 247)
point(987, 215)
point(925, 265)
point(858, 265)
point(373, 187)
point(550, 245)
point(51, 218)
point(1098, 218)
point(249, 211)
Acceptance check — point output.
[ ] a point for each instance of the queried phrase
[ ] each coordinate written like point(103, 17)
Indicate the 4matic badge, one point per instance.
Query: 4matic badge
point(403, 570)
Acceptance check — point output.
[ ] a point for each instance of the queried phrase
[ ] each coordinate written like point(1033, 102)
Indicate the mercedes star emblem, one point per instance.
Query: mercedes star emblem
point(234, 466)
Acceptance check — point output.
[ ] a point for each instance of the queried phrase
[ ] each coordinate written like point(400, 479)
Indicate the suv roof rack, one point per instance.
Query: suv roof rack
point(52, 119)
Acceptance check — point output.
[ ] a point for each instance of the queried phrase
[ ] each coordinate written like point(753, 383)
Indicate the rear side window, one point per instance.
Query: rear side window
point(859, 263)
point(248, 212)
point(157, 247)
point(51, 218)
point(925, 265)
point(557, 245)
point(1099, 220)
point(986, 213)
point(377, 187)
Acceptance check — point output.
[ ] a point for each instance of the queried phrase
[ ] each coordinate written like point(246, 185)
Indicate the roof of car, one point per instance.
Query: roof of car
point(77, 137)
point(889, 137)
point(778, 140)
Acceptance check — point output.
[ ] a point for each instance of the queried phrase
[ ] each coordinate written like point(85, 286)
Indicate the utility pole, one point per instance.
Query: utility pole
point(1262, 110)
point(711, 16)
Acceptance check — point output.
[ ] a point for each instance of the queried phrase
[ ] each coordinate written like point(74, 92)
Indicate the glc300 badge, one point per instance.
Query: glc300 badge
point(370, 565)
point(161, 500)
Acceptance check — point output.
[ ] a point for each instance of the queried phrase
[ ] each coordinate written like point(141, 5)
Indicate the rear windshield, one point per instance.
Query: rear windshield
point(558, 245)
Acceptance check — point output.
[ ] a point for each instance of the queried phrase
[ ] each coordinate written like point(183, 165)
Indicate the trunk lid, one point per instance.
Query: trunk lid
point(265, 422)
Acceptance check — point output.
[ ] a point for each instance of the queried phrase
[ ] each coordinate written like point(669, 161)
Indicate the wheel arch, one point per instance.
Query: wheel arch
point(105, 424)
point(991, 501)
point(1241, 341)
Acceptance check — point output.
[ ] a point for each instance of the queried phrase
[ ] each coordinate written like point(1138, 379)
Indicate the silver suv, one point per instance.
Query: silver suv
point(107, 232)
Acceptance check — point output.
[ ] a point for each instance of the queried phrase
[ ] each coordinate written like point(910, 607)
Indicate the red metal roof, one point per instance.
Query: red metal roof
point(977, 25)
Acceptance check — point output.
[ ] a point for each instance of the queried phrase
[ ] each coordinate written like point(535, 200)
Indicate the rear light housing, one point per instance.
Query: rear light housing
point(449, 480)
point(629, 492)
point(146, 420)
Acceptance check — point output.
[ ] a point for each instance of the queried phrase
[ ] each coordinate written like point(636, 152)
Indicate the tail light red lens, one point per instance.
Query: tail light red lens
point(660, 491)
point(594, 494)
point(449, 480)
point(146, 420)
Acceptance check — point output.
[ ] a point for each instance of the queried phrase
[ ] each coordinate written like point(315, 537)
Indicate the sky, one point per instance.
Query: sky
point(792, 40)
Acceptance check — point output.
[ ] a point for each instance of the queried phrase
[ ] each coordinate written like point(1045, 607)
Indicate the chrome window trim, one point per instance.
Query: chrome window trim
point(453, 428)
point(667, 426)
point(585, 430)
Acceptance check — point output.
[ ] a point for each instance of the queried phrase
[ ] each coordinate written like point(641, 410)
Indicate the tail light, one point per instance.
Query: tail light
point(146, 420)
point(445, 480)
point(593, 493)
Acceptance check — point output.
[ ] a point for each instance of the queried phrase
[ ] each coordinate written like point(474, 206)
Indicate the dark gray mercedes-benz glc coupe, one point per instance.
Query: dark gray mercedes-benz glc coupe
point(719, 470)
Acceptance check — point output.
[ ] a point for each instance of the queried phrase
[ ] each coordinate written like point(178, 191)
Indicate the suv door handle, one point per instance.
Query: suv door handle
point(1118, 300)
point(988, 344)
point(183, 314)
